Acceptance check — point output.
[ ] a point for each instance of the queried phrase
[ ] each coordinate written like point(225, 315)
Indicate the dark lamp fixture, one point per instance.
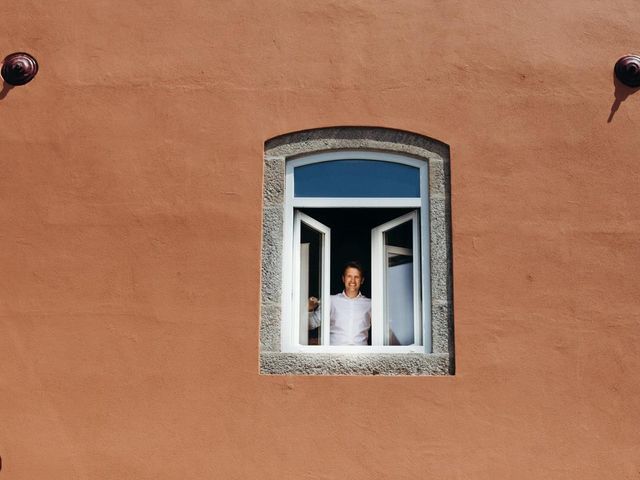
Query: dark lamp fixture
point(19, 68)
point(627, 70)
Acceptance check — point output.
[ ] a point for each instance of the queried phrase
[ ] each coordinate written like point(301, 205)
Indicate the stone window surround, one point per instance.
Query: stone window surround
point(278, 150)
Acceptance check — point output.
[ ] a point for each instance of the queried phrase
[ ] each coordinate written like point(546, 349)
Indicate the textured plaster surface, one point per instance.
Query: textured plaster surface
point(277, 152)
point(130, 239)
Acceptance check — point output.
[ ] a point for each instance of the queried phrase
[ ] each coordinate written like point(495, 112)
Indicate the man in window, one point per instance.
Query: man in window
point(350, 314)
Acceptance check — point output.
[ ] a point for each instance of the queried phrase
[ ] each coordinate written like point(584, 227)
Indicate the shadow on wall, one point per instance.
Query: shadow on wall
point(620, 93)
point(5, 89)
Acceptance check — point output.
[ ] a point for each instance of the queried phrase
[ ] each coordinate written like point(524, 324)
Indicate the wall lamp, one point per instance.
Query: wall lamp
point(19, 68)
point(627, 70)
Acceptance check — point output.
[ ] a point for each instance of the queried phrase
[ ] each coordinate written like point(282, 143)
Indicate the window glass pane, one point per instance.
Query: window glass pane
point(311, 242)
point(357, 178)
point(398, 286)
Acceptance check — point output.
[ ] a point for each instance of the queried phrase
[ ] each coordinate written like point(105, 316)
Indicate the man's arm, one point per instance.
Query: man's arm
point(315, 313)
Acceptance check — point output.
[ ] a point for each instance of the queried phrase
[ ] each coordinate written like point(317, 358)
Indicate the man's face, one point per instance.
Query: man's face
point(352, 280)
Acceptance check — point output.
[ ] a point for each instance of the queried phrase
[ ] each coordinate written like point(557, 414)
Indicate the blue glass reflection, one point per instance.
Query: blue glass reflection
point(357, 178)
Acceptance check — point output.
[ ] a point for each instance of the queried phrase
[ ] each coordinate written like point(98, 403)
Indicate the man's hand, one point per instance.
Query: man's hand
point(313, 303)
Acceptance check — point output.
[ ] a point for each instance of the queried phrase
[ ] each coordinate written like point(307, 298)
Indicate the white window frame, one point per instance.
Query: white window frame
point(290, 258)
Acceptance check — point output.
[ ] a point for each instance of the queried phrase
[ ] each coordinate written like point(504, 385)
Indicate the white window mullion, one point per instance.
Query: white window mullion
point(326, 286)
point(417, 304)
point(377, 288)
point(355, 202)
point(289, 267)
point(295, 292)
point(425, 258)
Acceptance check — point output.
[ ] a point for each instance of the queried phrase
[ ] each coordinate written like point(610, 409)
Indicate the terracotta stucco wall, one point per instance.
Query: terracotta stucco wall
point(130, 187)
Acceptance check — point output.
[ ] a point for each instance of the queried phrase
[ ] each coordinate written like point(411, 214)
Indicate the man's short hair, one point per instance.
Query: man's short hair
point(353, 264)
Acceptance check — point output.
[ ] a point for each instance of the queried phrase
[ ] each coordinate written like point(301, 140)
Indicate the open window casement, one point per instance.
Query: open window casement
point(312, 247)
point(396, 290)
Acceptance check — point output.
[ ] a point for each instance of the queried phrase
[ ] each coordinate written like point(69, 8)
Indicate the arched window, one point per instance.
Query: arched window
point(366, 206)
point(376, 196)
